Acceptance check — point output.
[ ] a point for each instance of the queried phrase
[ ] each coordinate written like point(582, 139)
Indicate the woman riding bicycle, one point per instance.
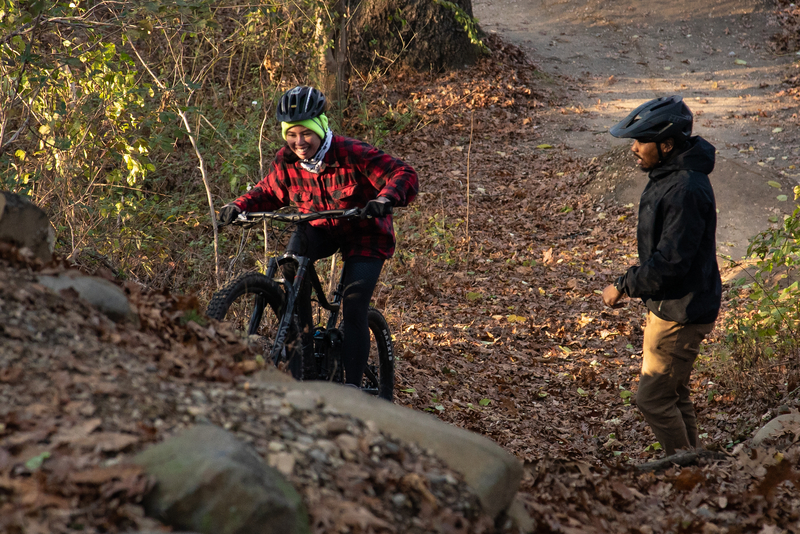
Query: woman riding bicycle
point(317, 170)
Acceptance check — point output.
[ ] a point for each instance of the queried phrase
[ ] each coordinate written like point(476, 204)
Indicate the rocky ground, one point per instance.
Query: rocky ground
point(493, 302)
point(79, 395)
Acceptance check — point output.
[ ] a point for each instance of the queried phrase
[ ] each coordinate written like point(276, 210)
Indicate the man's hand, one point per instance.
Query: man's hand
point(611, 296)
point(227, 214)
point(380, 207)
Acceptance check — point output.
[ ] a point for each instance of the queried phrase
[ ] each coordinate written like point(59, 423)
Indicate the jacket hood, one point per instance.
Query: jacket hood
point(698, 155)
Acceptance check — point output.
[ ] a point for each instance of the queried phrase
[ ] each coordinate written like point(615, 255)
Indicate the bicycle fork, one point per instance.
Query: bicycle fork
point(292, 290)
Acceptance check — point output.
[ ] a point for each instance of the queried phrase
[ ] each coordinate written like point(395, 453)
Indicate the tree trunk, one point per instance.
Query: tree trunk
point(421, 34)
point(335, 63)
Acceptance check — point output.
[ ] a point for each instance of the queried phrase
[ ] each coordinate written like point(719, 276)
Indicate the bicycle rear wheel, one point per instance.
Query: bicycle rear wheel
point(254, 304)
point(379, 374)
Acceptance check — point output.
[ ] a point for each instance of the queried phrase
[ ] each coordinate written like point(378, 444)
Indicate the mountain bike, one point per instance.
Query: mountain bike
point(264, 307)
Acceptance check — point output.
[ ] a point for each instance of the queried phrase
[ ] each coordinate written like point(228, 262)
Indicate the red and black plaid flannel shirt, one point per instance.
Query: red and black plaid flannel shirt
point(355, 172)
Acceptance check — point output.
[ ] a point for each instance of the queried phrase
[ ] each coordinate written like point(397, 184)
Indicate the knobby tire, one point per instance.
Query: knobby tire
point(379, 373)
point(254, 304)
point(378, 376)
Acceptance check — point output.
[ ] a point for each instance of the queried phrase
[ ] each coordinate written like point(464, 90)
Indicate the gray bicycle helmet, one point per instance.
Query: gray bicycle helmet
point(300, 103)
point(657, 120)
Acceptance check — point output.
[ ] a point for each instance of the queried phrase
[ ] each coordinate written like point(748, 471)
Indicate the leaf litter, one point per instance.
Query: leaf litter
point(499, 329)
point(91, 393)
point(523, 238)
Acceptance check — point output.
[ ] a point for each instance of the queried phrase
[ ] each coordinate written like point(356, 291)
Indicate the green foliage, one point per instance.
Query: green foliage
point(442, 235)
point(90, 125)
point(194, 315)
point(375, 130)
point(36, 462)
point(766, 307)
point(653, 447)
point(70, 104)
point(470, 24)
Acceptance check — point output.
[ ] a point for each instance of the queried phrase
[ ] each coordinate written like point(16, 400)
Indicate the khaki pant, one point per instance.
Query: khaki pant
point(669, 352)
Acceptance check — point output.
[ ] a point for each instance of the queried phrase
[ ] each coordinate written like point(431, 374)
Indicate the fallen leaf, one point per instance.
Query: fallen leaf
point(775, 474)
point(688, 478)
point(350, 514)
point(77, 432)
point(98, 476)
point(107, 441)
point(415, 482)
point(622, 490)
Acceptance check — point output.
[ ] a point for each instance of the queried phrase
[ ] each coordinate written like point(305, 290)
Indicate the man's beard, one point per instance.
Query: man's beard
point(645, 169)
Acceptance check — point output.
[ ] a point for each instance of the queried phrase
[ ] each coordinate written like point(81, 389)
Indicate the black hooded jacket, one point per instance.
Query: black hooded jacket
point(677, 277)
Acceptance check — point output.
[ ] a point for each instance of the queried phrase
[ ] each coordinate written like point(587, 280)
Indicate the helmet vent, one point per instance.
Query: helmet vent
point(300, 103)
point(656, 120)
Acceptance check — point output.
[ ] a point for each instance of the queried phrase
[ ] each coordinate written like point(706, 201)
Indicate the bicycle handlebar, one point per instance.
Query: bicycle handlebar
point(253, 216)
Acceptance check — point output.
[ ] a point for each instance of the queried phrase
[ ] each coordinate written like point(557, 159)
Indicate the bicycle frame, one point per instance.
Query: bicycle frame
point(293, 289)
point(317, 351)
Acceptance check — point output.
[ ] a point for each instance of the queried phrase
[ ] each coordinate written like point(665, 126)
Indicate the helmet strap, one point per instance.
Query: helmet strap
point(671, 153)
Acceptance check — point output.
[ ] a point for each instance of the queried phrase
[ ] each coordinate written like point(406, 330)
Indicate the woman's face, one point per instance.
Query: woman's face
point(303, 141)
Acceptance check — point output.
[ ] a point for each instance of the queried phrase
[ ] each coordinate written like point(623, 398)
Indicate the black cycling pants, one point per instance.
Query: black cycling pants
point(360, 278)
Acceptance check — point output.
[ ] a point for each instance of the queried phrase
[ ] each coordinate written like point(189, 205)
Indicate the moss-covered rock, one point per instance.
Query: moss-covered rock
point(210, 482)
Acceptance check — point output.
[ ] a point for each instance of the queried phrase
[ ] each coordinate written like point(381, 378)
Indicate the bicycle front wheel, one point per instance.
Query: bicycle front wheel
point(379, 374)
point(254, 305)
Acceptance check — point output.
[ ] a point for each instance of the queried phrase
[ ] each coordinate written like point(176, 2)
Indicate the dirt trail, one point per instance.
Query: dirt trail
point(611, 55)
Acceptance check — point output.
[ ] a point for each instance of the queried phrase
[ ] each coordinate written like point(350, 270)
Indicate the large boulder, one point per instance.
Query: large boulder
point(780, 432)
point(210, 482)
point(26, 226)
point(102, 294)
point(487, 468)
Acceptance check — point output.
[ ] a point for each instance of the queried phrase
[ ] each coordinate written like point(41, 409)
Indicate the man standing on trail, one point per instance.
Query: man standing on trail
point(677, 277)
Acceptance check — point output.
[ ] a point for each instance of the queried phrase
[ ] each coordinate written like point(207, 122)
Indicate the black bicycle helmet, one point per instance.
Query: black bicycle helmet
point(657, 120)
point(300, 103)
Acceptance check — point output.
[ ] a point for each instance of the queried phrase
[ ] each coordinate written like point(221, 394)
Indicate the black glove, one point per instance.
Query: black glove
point(376, 208)
point(227, 214)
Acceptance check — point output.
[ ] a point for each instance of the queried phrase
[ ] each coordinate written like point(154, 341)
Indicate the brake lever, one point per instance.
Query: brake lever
point(244, 221)
point(352, 212)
